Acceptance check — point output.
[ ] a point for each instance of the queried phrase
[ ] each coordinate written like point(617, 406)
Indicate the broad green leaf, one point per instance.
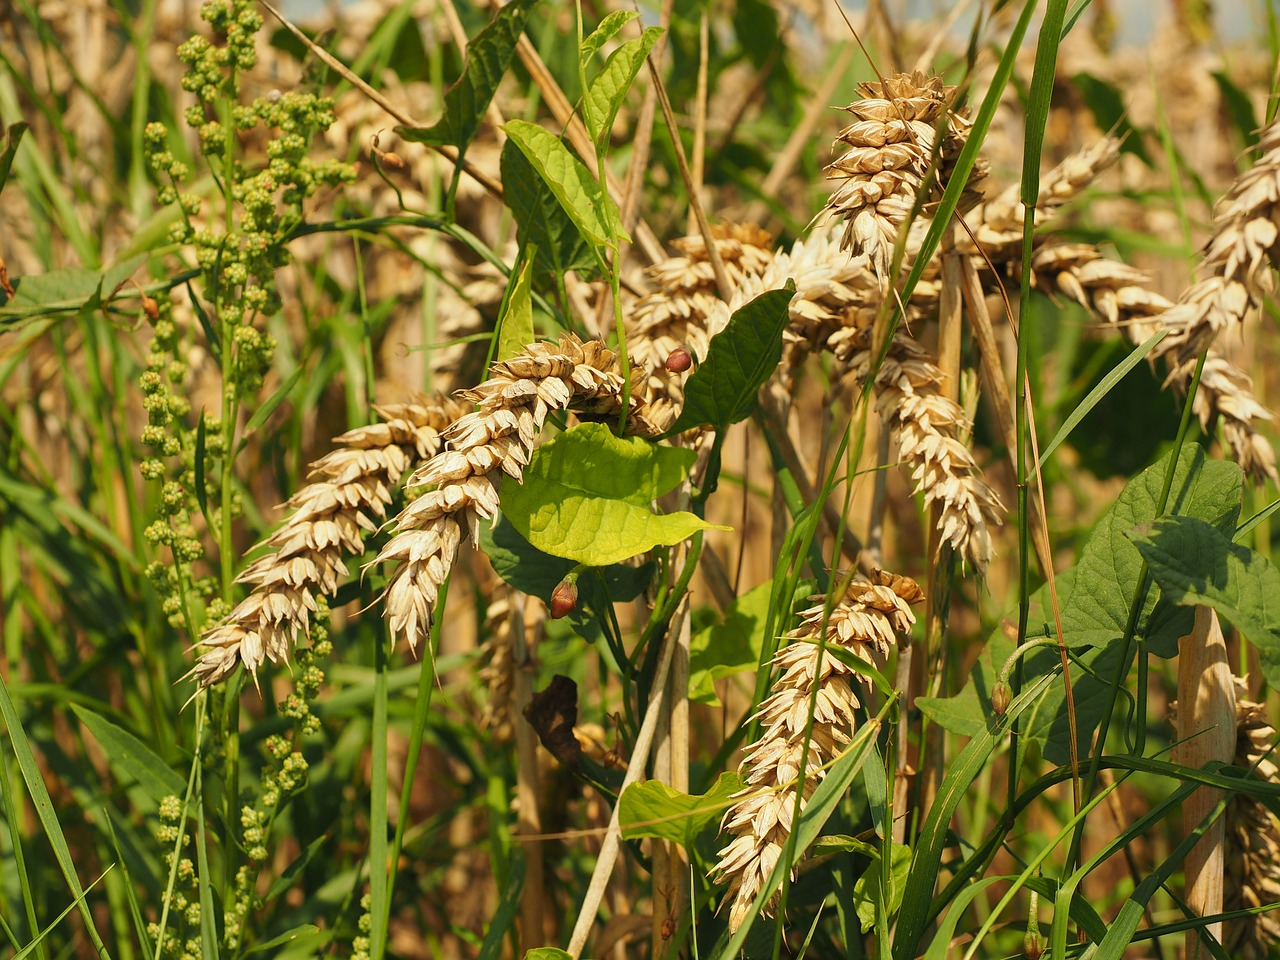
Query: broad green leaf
point(12, 137)
point(1195, 564)
point(653, 809)
point(739, 360)
point(515, 324)
point(867, 890)
point(586, 497)
point(1095, 612)
point(968, 712)
point(541, 221)
point(531, 571)
point(488, 57)
point(602, 34)
point(547, 953)
point(128, 755)
point(609, 87)
point(729, 646)
point(66, 291)
point(587, 204)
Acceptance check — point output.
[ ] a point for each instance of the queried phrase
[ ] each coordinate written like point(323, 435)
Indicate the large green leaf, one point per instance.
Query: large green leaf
point(488, 57)
point(130, 757)
point(1095, 612)
point(1195, 564)
point(730, 645)
point(66, 291)
point(868, 890)
point(531, 571)
point(586, 496)
point(588, 205)
point(739, 360)
point(653, 809)
point(609, 87)
point(1095, 597)
point(540, 219)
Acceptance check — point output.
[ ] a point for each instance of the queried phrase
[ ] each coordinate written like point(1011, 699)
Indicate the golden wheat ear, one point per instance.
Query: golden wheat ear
point(871, 617)
point(348, 493)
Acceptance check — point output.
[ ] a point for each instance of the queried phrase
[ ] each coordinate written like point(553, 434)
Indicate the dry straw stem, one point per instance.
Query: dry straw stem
point(481, 447)
point(892, 143)
point(871, 616)
point(348, 494)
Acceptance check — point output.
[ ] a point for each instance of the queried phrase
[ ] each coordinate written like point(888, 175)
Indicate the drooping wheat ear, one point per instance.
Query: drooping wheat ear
point(925, 423)
point(1117, 294)
point(481, 447)
point(348, 494)
point(674, 316)
point(870, 617)
point(1239, 257)
point(996, 224)
point(891, 144)
point(1252, 839)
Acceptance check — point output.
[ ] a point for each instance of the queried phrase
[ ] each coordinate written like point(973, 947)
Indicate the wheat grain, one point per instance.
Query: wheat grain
point(481, 447)
point(867, 621)
point(891, 144)
point(350, 487)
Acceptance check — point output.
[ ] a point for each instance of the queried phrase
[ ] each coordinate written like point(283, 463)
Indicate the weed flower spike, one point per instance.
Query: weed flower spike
point(869, 619)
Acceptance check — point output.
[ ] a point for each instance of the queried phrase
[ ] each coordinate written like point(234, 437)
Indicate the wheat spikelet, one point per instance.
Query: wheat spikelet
point(350, 486)
point(1117, 294)
point(1252, 839)
point(925, 423)
point(498, 671)
point(481, 447)
point(996, 225)
point(891, 144)
point(869, 618)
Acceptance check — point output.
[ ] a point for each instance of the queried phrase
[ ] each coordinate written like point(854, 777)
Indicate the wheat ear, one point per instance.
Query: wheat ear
point(481, 447)
point(348, 494)
point(891, 144)
point(1117, 294)
point(868, 620)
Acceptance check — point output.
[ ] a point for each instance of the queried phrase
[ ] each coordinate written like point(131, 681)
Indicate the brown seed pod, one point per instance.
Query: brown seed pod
point(564, 599)
point(678, 360)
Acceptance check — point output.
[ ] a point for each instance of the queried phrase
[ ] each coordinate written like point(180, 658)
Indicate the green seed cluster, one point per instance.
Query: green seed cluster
point(360, 944)
point(171, 463)
point(181, 932)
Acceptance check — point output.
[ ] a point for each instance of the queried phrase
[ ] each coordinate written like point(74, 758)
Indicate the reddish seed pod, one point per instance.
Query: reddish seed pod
point(392, 161)
point(1000, 695)
point(564, 599)
point(678, 360)
point(151, 308)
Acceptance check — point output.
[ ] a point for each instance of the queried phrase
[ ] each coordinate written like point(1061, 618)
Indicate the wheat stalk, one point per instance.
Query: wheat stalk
point(481, 447)
point(870, 617)
point(349, 491)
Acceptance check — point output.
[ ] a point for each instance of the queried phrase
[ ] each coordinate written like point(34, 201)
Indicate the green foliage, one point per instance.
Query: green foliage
point(608, 89)
point(541, 222)
point(1196, 563)
point(515, 319)
point(722, 391)
point(488, 57)
point(653, 809)
point(586, 496)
